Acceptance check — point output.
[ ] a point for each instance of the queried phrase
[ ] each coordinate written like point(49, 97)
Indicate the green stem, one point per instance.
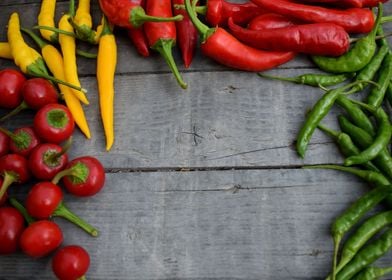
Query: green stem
point(164, 47)
point(41, 43)
point(36, 71)
point(138, 17)
point(203, 29)
point(74, 171)
point(64, 212)
point(54, 29)
point(71, 8)
point(385, 19)
point(8, 179)
point(86, 54)
point(54, 156)
point(202, 10)
point(22, 106)
point(82, 278)
point(22, 210)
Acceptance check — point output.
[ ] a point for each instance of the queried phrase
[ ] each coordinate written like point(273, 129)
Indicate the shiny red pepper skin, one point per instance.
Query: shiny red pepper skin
point(139, 40)
point(313, 38)
point(222, 47)
point(339, 3)
point(270, 21)
point(218, 12)
point(118, 12)
point(353, 20)
point(186, 35)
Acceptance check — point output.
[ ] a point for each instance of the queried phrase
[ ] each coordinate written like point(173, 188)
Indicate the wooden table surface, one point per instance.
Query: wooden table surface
point(202, 183)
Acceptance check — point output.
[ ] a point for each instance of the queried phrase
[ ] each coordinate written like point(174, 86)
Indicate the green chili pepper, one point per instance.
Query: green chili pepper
point(372, 177)
point(350, 217)
point(361, 138)
point(364, 233)
point(381, 140)
point(372, 273)
point(356, 114)
point(357, 57)
point(367, 255)
point(318, 112)
point(346, 145)
point(376, 95)
point(314, 80)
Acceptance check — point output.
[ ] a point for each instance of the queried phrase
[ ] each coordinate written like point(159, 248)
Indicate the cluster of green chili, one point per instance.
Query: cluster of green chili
point(363, 141)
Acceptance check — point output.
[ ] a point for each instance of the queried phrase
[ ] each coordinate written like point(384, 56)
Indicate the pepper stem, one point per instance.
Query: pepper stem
point(203, 29)
point(54, 29)
point(164, 47)
point(35, 70)
point(22, 210)
point(41, 43)
point(202, 10)
point(8, 179)
point(330, 132)
point(64, 212)
point(138, 17)
point(22, 106)
point(74, 171)
point(54, 156)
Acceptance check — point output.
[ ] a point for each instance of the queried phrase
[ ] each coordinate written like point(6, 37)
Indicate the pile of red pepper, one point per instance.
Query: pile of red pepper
point(253, 36)
point(37, 154)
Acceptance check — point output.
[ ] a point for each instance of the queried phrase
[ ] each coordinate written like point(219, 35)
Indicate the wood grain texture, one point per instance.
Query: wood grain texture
point(261, 224)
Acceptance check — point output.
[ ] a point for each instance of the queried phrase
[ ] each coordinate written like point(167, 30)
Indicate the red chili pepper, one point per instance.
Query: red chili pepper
point(270, 21)
point(186, 34)
point(353, 20)
point(223, 47)
point(313, 38)
point(161, 36)
point(372, 3)
point(139, 40)
point(341, 3)
point(129, 13)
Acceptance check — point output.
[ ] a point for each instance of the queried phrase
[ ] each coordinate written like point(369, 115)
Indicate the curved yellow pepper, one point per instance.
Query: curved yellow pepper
point(106, 67)
point(46, 18)
point(68, 49)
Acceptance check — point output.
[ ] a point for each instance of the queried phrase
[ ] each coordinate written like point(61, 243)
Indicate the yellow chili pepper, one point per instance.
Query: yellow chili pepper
point(68, 48)
point(5, 50)
point(46, 18)
point(55, 63)
point(106, 67)
point(26, 58)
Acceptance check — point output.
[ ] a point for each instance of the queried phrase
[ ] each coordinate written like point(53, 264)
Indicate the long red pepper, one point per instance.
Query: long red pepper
point(353, 20)
point(139, 40)
point(313, 38)
point(346, 3)
point(129, 13)
point(186, 34)
point(161, 36)
point(270, 21)
point(221, 46)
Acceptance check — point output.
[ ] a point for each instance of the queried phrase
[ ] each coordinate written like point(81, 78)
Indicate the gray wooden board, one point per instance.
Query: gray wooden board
point(260, 224)
point(268, 223)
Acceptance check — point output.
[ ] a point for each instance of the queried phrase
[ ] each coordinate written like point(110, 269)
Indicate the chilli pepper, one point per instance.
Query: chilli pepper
point(367, 255)
point(363, 139)
point(317, 113)
point(5, 50)
point(346, 145)
point(161, 36)
point(130, 14)
point(351, 216)
point(353, 20)
point(381, 139)
point(186, 35)
point(357, 57)
point(343, 3)
point(314, 80)
point(106, 66)
point(46, 18)
point(217, 12)
point(376, 95)
point(82, 23)
point(270, 21)
point(139, 40)
point(372, 273)
point(55, 63)
point(314, 38)
point(68, 49)
point(224, 48)
point(364, 233)
point(28, 59)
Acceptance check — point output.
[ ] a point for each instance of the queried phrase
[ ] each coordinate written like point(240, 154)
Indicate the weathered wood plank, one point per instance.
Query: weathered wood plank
point(224, 119)
point(266, 224)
